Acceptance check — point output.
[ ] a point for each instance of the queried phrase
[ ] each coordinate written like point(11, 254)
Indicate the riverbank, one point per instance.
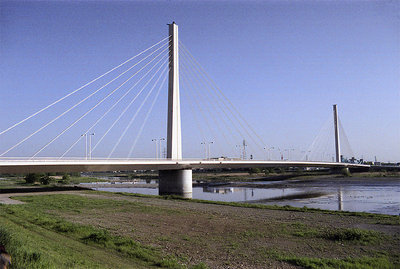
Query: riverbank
point(74, 230)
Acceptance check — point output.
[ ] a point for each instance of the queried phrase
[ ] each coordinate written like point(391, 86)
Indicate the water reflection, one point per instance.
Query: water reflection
point(340, 201)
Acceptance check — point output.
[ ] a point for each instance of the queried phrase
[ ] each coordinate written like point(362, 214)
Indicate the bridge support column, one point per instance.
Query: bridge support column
point(175, 182)
point(344, 171)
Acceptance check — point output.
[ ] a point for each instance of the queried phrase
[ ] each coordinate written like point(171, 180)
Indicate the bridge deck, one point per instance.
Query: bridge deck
point(49, 165)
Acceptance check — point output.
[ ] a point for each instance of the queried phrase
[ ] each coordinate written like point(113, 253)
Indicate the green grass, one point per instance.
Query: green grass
point(380, 261)
point(348, 263)
point(356, 235)
point(25, 220)
point(19, 223)
point(68, 203)
point(352, 234)
point(11, 182)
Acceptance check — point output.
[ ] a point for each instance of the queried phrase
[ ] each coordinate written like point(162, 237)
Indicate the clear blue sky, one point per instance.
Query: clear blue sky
point(282, 64)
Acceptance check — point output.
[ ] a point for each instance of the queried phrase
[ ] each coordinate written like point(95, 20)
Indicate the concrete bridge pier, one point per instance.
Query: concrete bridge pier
point(175, 182)
point(344, 171)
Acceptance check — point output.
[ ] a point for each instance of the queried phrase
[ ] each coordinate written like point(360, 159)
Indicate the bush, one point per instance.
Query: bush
point(65, 179)
point(254, 171)
point(32, 178)
point(45, 179)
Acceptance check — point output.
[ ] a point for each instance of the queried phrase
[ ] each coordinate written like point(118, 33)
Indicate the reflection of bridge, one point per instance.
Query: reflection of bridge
point(175, 173)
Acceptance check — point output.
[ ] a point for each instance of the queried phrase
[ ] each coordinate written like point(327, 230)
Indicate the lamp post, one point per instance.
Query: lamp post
point(156, 143)
point(85, 135)
point(90, 145)
point(288, 150)
point(240, 151)
point(268, 157)
point(205, 149)
point(308, 152)
point(209, 152)
point(160, 152)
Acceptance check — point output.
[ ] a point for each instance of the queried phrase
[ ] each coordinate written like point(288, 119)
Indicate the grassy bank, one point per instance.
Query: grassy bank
point(105, 230)
point(37, 237)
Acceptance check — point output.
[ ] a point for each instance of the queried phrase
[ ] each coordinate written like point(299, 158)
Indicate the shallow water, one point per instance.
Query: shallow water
point(369, 195)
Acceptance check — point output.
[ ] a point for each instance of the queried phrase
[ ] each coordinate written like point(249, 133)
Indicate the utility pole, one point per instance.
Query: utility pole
point(337, 139)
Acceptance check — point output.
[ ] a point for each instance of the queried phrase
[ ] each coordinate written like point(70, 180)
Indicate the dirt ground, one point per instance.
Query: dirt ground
point(232, 237)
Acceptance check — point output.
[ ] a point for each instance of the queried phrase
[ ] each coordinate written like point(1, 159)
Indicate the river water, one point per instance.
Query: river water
point(374, 195)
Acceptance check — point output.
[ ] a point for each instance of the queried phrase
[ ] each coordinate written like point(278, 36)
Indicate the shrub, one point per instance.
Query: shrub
point(65, 179)
point(254, 171)
point(32, 178)
point(45, 179)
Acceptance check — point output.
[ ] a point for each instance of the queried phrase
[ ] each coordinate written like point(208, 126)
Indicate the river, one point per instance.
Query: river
point(374, 195)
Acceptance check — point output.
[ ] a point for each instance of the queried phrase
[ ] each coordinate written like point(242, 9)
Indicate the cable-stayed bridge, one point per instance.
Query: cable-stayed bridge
point(113, 112)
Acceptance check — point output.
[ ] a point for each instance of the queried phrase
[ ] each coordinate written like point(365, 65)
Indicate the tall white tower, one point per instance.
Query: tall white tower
point(174, 137)
point(179, 181)
point(337, 139)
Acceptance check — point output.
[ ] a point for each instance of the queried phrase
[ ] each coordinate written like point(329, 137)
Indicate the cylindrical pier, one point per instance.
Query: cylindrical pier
point(175, 182)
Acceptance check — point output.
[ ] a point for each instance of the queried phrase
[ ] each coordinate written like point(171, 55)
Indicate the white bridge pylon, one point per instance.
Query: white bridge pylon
point(174, 134)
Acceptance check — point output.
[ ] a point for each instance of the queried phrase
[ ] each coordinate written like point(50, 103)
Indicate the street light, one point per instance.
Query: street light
point(288, 150)
point(160, 152)
point(240, 150)
point(85, 135)
point(307, 153)
point(156, 142)
point(209, 152)
point(280, 153)
point(90, 145)
point(205, 149)
point(268, 154)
